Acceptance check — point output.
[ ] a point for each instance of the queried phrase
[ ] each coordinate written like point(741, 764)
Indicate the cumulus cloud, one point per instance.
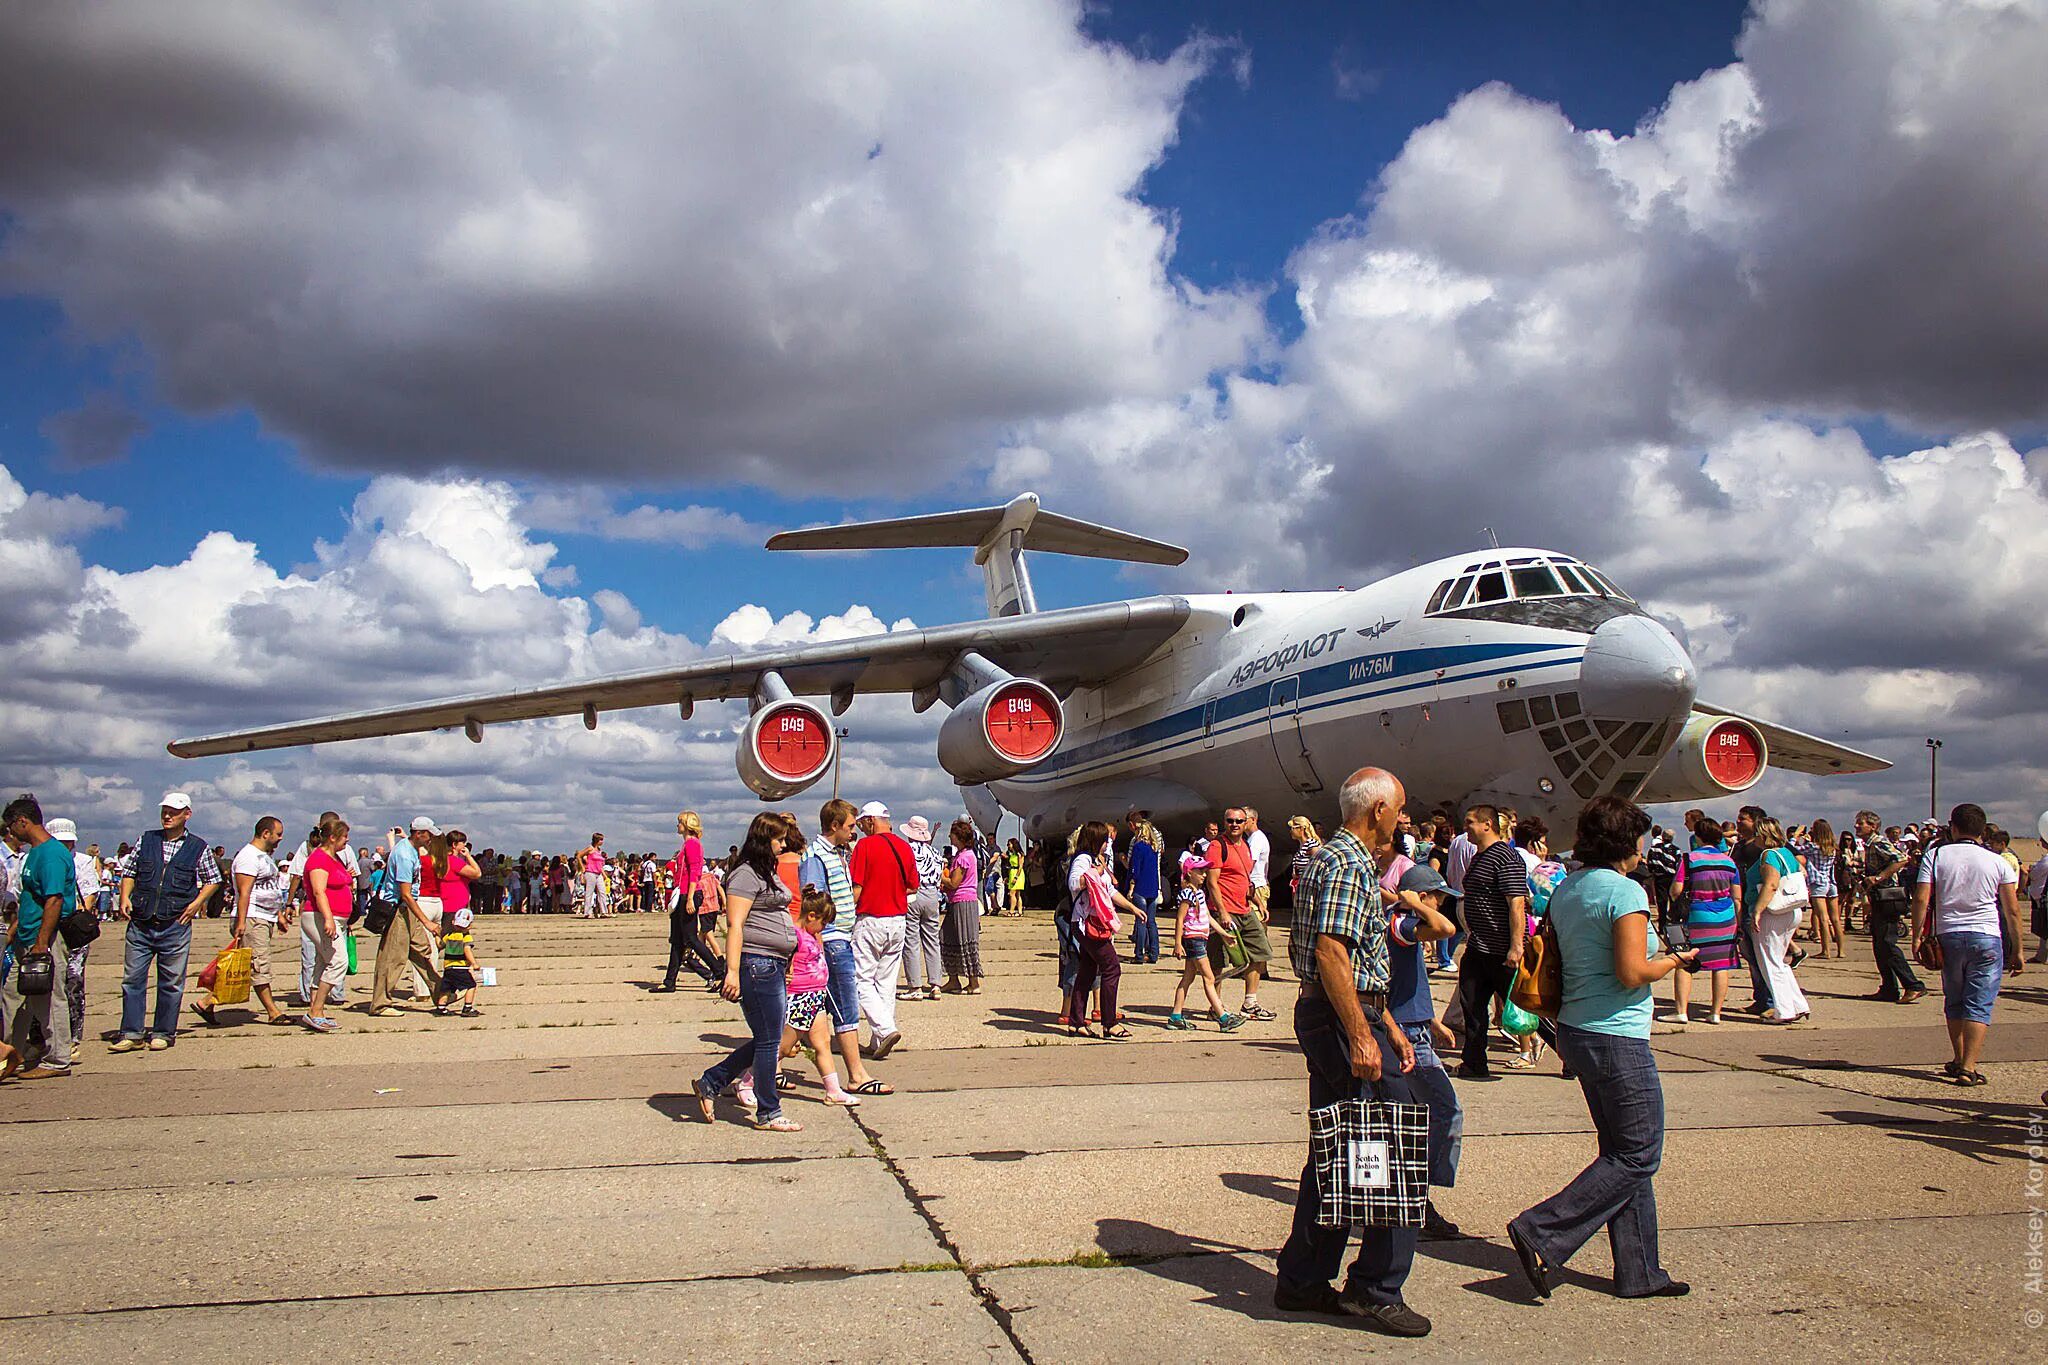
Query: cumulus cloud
point(1646, 348)
point(438, 587)
point(634, 239)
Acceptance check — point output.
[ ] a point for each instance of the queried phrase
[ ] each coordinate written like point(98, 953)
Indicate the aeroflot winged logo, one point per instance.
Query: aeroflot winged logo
point(1280, 659)
point(1378, 628)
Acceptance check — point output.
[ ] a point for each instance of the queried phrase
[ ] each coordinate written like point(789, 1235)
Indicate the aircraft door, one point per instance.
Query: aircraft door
point(1283, 723)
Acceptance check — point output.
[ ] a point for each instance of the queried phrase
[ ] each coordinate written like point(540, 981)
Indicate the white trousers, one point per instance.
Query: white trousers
point(877, 959)
point(1773, 937)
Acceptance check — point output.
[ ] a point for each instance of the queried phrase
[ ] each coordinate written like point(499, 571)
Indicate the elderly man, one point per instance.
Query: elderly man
point(173, 877)
point(884, 873)
point(1351, 1042)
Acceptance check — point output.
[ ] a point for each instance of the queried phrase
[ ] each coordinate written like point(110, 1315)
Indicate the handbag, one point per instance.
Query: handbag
point(1372, 1163)
point(1792, 894)
point(35, 973)
point(1928, 953)
point(79, 928)
point(1539, 980)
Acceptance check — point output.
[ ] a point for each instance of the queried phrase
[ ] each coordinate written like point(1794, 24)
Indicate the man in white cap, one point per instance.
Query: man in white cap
point(884, 872)
point(87, 868)
point(409, 937)
point(175, 874)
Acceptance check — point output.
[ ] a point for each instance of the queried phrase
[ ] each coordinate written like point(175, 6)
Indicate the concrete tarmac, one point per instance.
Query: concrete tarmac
point(536, 1182)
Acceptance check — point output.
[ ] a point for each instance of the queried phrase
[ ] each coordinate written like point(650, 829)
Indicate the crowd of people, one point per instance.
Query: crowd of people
point(818, 934)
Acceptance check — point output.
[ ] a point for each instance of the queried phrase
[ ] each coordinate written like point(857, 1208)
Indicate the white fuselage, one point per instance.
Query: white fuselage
point(1272, 699)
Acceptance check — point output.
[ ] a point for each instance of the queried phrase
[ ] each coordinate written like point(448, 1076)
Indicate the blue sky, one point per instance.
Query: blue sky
point(1741, 303)
point(1333, 92)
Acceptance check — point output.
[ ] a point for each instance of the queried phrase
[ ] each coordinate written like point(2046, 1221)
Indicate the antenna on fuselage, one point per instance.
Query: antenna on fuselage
point(1491, 538)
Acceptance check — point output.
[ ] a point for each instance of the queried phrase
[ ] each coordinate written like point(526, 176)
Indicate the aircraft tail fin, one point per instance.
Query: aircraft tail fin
point(999, 536)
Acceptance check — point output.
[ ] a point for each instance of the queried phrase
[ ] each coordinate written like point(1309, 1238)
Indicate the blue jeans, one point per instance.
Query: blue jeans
point(764, 1000)
point(842, 988)
point(1446, 1116)
point(1619, 1078)
point(1070, 951)
point(1145, 932)
point(1972, 966)
point(168, 944)
point(1314, 1254)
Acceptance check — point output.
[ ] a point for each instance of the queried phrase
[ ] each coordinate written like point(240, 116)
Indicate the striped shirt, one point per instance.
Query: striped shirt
point(1340, 896)
point(1709, 879)
point(824, 868)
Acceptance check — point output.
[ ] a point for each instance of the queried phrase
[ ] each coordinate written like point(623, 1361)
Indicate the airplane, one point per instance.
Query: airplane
point(1520, 678)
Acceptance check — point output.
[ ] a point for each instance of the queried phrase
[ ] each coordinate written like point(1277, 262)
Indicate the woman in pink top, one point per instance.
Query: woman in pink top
point(685, 930)
point(590, 876)
point(329, 898)
point(459, 871)
point(960, 932)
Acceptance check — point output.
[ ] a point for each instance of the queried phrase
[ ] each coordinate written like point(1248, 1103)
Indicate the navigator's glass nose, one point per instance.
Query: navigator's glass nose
point(1635, 669)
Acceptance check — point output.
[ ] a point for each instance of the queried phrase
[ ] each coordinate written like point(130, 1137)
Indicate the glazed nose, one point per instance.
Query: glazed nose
point(1636, 670)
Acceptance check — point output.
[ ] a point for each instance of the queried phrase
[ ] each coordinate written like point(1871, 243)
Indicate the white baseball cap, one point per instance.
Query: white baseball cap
point(875, 810)
point(422, 824)
point(176, 801)
point(60, 828)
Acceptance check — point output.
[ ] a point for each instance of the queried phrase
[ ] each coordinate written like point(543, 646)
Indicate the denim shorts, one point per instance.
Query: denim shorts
point(1972, 965)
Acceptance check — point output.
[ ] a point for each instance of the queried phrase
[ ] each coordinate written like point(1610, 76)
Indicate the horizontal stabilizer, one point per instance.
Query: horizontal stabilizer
point(982, 529)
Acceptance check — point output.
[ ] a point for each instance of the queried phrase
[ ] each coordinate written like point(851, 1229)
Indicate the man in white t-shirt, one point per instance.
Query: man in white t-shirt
point(261, 911)
point(1967, 897)
point(295, 873)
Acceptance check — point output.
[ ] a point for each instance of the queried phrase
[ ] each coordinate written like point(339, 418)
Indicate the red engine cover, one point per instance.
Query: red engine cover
point(1020, 725)
point(791, 742)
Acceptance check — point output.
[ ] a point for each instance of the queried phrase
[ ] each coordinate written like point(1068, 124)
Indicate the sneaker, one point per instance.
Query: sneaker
point(1230, 1023)
point(1392, 1319)
point(159, 1044)
point(1179, 1022)
point(1260, 1013)
point(470, 1011)
point(125, 1045)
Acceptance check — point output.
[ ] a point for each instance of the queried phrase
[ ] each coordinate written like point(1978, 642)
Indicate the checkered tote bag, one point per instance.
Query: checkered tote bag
point(1372, 1161)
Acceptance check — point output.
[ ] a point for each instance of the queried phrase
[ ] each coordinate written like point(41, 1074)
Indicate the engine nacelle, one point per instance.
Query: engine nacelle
point(786, 746)
point(1715, 756)
point(1006, 728)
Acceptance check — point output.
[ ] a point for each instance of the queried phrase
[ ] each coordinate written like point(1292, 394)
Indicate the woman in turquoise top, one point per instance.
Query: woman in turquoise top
point(1611, 959)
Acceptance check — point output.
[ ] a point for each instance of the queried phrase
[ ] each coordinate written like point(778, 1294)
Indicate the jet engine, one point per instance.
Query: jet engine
point(1715, 756)
point(786, 746)
point(1006, 727)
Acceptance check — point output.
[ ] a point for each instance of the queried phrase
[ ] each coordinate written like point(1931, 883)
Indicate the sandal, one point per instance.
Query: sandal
point(1518, 1062)
point(206, 1012)
point(1971, 1078)
point(1952, 1069)
point(786, 1080)
point(282, 1019)
point(1080, 1031)
point(1118, 1033)
point(781, 1123)
point(873, 1087)
point(704, 1101)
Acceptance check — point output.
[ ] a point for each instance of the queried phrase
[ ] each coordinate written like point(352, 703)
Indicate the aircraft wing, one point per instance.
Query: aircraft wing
point(1803, 753)
point(1073, 647)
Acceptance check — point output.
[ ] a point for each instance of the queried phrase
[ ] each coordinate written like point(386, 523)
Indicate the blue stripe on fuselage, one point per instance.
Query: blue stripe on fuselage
point(1345, 680)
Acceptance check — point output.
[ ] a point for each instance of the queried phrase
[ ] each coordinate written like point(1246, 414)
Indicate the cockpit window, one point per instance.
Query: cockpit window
point(1522, 578)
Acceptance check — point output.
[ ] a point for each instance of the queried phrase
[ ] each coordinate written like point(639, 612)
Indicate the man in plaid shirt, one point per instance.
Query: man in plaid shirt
point(1339, 950)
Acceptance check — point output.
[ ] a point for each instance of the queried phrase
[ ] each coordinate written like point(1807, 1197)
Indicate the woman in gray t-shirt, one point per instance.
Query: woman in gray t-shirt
point(760, 938)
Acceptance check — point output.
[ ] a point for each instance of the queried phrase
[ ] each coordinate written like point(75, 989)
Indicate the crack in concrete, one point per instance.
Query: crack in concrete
point(983, 1294)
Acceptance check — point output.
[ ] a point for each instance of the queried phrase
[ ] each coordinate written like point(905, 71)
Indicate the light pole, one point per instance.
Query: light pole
point(1934, 779)
point(838, 752)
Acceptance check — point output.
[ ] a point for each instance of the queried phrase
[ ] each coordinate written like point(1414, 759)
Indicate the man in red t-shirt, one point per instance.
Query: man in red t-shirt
point(1228, 885)
point(884, 875)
